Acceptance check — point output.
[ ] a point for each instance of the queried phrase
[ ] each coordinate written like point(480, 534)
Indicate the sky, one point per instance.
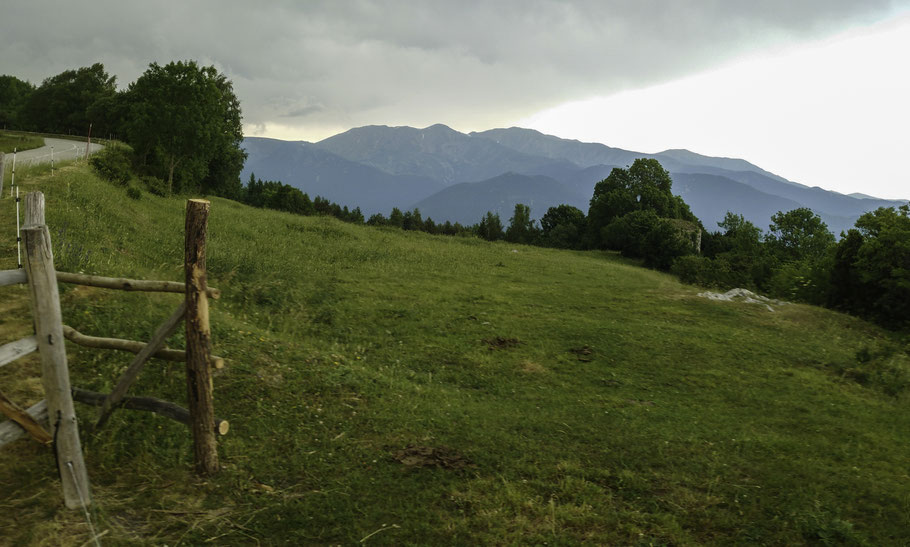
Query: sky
point(812, 90)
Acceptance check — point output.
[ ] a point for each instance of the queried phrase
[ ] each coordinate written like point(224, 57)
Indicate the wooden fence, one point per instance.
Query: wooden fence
point(57, 409)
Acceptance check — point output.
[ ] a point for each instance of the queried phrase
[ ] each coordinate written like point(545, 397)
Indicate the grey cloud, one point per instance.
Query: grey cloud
point(470, 64)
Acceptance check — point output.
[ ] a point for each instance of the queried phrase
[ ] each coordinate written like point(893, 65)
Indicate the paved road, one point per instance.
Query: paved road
point(62, 150)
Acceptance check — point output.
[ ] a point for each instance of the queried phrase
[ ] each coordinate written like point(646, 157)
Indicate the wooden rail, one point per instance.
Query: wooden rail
point(24, 419)
point(12, 277)
point(20, 348)
point(11, 431)
point(124, 284)
point(132, 346)
point(151, 404)
point(17, 277)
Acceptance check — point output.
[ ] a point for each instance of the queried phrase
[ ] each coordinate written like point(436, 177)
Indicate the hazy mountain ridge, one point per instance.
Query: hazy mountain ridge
point(437, 151)
point(379, 167)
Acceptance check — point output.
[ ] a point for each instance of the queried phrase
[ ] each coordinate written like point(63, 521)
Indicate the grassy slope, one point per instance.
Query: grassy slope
point(20, 142)
point(693, 422)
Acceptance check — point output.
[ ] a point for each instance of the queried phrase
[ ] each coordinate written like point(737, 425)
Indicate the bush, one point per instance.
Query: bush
point(154, 185)
point(700, 270)
point(133, 193)
point(113, 164)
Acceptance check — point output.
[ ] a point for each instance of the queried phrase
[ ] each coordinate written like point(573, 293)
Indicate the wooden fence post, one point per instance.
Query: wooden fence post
point(34, 209)
point(45, 297)
point(1, 173)
point(198, 340)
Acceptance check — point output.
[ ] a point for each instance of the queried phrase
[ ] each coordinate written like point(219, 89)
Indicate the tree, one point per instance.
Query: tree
point(14, 94)
point(562, 227)
point(490, 227)
point(646, 185)
point(62, 102)
point(396, 218)
point(871, 271)
point(521, 228)
point(185, 126)
point(798, 235)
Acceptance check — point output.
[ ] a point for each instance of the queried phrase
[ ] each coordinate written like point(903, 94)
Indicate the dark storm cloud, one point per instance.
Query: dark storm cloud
point(466, 63)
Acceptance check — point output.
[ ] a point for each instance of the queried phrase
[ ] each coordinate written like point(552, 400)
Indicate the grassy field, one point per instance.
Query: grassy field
point(10, 141)
point(398, 388)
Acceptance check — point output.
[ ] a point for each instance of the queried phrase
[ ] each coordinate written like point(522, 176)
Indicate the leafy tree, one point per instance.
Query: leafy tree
point(798, 235)
point(562, 227)
point(109, 115)
point(799, 243)
point(490, 227)
point(14, 94)
point(62, 102)
point(646, 185)
point(521, 228)
point(185, 126)
point(871, 270)
point(628, 233)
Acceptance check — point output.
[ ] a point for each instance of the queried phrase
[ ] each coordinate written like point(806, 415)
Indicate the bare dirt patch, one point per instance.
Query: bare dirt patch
point(501, 343)
point(584, 353)
point(430, 456)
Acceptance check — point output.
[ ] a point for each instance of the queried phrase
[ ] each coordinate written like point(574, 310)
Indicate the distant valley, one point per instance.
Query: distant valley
point(455, 176)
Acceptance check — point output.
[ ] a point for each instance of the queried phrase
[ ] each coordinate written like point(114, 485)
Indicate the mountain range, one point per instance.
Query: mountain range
point(456, 176)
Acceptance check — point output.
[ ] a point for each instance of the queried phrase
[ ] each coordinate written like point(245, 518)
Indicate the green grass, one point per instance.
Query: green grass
point(20, 142)
point(625, 409)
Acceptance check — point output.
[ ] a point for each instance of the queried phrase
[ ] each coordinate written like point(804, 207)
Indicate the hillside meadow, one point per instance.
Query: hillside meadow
point(389, 387)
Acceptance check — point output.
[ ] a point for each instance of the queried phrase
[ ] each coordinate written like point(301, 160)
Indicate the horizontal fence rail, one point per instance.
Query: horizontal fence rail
point(18, 277)
point(132, 346)
point(123, 284)
point(20, 348)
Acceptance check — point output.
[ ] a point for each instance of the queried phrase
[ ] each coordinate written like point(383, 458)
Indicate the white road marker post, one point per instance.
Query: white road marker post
point(12, 181)
point(18, 234)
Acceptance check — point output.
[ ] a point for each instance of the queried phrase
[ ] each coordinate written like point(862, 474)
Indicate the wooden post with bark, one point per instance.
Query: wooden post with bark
point(45, 298)
point(198, 340)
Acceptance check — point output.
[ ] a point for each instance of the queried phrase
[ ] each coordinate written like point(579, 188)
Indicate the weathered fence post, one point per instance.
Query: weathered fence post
point(1, 173)
point(45, 297)
point(198, 340)
point(34, 209)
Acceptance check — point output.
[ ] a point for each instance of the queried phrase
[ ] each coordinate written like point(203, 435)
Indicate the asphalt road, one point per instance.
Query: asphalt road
point(61, 149)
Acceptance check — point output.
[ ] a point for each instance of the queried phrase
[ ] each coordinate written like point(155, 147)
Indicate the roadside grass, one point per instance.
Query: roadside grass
point(21, 142)
point(399, 388)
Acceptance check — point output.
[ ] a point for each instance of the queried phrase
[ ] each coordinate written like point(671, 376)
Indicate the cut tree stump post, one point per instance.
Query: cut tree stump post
point(45, 297)
point(198, 340)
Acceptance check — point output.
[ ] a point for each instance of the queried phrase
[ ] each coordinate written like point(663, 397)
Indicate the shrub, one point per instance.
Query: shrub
point(133, 193)
point(113, 164)
point(700, 270)
point(154, 185)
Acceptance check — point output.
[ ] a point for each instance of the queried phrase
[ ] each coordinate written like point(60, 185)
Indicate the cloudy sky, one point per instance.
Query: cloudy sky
point(814, 90)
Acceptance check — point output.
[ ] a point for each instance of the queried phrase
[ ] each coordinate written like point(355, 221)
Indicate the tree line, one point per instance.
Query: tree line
point(633, 211)
point(182, 121)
